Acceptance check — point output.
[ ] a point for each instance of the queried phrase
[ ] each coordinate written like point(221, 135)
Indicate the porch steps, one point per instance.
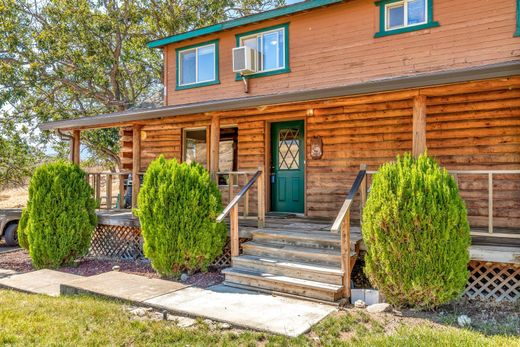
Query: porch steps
point(303, 262)
point(307, 271)
point(325, 256)
point(285, 284)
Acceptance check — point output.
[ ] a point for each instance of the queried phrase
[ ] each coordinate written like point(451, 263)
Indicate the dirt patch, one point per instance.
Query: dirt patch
point(14, 197)
point(18, 261)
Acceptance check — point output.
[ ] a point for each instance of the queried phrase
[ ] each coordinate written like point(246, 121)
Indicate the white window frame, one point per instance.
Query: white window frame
point(196, 49)
point(261, 36)
point(403, 3)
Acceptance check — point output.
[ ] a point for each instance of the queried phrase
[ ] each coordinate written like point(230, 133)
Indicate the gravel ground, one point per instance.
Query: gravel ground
point(19, 261)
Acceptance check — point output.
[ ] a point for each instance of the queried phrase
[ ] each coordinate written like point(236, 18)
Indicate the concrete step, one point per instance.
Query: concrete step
point(320, 256)
point(302, 270)
point(284, 284)
point(314, 239)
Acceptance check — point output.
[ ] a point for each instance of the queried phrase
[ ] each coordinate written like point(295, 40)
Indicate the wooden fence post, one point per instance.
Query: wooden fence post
point(419, 125)
point(234, 232)
point(345, 254)
point(261, 198)
point(109, 191)
point(136, 162)
point(75, 146)
point(214, 147)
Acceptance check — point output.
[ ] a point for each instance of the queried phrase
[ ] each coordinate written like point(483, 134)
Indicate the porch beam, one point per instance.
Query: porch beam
point(419, 125)
point(214, 146)
point(136, 162)
point(74, 147)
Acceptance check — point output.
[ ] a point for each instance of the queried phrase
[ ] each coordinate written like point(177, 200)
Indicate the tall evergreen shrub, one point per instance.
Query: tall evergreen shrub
point(178, 205)
point(57, 225)
point(416, 231)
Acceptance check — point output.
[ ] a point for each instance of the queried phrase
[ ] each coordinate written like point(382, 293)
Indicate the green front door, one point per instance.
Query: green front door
point(287, 179)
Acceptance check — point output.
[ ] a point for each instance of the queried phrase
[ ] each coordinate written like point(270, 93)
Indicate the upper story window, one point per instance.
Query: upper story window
point(197, 65)
point(398, 16)
point(272, 47)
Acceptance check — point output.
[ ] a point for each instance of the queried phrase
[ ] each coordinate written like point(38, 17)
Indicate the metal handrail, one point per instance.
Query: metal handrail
point(239, 196)
point(336, 226)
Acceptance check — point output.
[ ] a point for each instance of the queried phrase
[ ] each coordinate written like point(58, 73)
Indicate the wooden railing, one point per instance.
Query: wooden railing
point(232, 209)
point(232, 181)
point(96, 179)
point(490, 179)
point(342, 225)
point(490, 174)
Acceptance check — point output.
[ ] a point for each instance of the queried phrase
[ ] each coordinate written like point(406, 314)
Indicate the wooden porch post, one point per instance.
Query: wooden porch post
point(136, 162)
point(419, 125)
point(74, 147)
point(214, 146)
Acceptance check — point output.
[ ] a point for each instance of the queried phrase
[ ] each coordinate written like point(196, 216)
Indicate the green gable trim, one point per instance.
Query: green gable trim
point(517, 33)
point(201, 84)
point(430, 23)
point(286, 68)
point(278, 12)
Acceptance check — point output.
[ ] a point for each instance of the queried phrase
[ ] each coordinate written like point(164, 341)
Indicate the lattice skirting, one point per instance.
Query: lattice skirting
point(125, 242)
point(493, 281)
point(116, 241)
point(224, 260)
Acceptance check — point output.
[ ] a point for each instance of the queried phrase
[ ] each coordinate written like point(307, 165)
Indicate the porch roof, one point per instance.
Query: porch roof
point(376, 86)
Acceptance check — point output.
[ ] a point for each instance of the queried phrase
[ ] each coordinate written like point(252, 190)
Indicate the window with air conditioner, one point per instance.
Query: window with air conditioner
point(271, 47)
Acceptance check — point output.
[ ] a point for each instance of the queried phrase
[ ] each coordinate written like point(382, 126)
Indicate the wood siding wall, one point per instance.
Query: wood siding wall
point(469, 127)
point(336, 46)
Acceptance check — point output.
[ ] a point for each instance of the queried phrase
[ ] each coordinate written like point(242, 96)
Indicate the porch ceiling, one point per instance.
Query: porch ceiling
point(377, 86)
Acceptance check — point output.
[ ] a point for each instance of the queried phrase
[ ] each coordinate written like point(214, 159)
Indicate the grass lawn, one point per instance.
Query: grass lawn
point(89, 321)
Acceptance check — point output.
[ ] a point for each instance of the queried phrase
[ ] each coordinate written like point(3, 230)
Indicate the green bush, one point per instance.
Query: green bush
point(57, 225)
point(416, 231)
point(177, 206)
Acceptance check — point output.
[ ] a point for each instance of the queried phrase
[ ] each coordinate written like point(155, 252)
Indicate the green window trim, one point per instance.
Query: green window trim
point(285, 69)
point(517, 32)
point(200, 84)
point(430, 23)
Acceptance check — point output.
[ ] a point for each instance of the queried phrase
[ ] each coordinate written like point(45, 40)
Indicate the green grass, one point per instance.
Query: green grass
point(27, 320)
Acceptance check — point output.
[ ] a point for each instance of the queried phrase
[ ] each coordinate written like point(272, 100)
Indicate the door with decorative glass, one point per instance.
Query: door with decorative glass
point(287, 177)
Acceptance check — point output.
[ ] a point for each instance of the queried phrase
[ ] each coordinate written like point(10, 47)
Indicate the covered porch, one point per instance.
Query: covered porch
point(328, 143)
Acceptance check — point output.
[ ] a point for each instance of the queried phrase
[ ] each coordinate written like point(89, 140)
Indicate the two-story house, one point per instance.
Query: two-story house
point(310, 92)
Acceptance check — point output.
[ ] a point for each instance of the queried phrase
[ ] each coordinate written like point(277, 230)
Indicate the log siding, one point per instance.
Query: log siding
point(469, 126)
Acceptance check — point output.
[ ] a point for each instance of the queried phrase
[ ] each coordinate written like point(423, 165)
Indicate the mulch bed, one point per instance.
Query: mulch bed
point(20, 261)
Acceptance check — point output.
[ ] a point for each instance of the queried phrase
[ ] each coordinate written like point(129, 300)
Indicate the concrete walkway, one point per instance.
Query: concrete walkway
point(122, 286)
point(38, 282)
point(242, 308)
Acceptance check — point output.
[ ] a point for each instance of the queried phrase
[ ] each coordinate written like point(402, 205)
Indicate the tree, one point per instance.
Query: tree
point(62, 59)
point(416, 231)
point(178, 206)
point(57, 225)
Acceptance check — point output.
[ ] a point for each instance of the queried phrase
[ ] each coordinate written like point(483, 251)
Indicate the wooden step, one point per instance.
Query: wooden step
point(315, 239)
point(305, 254)
point(290, 285)
point(308, 271)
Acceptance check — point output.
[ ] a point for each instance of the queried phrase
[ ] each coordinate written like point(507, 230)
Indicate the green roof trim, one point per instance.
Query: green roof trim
point(278, 12)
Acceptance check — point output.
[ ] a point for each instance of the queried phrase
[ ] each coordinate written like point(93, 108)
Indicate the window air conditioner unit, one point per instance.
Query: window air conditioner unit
point(244, 60)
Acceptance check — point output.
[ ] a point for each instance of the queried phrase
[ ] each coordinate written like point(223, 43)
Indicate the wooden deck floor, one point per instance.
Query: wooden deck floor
point(485, 247)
